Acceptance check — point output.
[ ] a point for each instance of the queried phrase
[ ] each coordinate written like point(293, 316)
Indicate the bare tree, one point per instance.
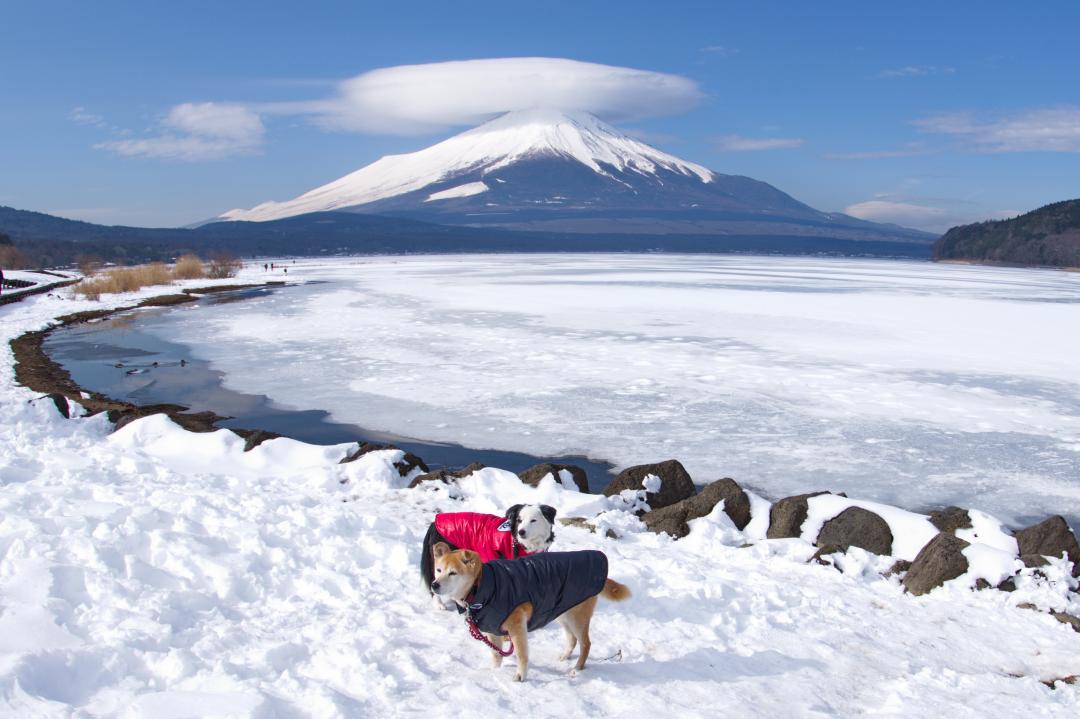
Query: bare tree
point(223, 264)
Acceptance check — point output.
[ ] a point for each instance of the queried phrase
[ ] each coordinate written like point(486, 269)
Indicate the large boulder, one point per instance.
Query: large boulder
point(950, 519)
point(675, 483)
point(939, 561)
point(786, 517)
point(404, 466)
point(534, 474)
point(736, 501)
point(674, 519)
point(671, 520)
point(857, 527)
point(446, 475)
point(1050, 538)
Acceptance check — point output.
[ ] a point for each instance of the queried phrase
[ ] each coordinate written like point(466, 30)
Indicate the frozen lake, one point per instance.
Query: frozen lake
point(904, 382)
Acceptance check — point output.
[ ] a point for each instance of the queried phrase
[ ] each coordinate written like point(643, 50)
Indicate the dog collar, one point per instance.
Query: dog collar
point(471, 603)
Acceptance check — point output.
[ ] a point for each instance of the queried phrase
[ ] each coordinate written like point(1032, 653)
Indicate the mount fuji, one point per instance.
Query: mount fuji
point(569, 172)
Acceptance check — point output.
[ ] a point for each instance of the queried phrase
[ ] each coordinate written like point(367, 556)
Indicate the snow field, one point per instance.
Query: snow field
point(153, 572)
point(905, 383)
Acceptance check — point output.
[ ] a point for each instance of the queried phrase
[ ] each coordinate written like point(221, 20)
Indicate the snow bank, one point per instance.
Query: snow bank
point(153, 572)
point(989, 531)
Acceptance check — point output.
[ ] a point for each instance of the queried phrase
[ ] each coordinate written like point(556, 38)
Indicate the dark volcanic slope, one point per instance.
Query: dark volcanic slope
point(1048, 236)
point(559, 195)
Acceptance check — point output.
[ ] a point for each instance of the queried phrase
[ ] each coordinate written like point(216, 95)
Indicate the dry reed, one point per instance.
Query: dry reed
point(188, 267)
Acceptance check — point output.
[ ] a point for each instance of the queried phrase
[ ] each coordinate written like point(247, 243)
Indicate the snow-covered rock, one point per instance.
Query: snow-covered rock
point(857, 527)
point(665, 483)
point(1051, 537)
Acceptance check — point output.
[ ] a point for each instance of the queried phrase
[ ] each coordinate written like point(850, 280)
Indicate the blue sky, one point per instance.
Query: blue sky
point(928, 114)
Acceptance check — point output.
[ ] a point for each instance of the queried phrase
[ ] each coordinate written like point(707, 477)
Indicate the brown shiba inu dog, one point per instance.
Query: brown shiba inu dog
point(504, 597)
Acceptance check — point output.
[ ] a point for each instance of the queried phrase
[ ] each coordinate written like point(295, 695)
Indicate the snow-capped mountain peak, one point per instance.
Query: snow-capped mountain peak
point(497, 144)
point(581, 136)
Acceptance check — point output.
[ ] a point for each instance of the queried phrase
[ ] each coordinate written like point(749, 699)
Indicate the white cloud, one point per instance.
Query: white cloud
point(719, 50)
point(738, 143)
point(208, 119)
point(917, 71)
point(1039, 130)
point(81, 116)
point(900, 213)
point(929, 213)
point(908, 150)
point(196, 132)
point(418, 99)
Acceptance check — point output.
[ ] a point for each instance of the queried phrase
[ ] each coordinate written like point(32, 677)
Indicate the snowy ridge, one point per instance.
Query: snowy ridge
point(495, 144)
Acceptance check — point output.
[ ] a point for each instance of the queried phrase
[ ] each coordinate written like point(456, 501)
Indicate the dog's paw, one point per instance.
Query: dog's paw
point(519, 677)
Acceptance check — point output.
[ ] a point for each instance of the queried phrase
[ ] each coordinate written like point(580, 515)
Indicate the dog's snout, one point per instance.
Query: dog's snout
point(434, 586)
point(521, 532)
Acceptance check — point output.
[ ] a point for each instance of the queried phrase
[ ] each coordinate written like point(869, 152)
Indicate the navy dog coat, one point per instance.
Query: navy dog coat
point(553, 582)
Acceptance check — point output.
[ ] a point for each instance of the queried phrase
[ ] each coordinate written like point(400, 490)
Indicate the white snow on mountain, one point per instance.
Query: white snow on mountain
point(495, 144)
point(153, 572)
point(467, 190)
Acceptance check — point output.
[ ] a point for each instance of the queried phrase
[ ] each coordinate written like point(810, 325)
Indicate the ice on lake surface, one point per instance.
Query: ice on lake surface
point(905, 382)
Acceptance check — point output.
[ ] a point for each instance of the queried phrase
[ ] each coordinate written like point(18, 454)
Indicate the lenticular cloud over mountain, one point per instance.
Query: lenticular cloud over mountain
point(415, 99)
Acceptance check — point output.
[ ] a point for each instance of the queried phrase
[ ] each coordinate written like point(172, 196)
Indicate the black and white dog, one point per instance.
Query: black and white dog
point(533, 526)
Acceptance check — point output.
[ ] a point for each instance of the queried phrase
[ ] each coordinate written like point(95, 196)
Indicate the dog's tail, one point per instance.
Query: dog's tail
point(613, 591)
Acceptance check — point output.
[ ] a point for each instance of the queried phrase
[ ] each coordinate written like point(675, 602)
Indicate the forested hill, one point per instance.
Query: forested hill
point(1048, 236)
point(47, 241)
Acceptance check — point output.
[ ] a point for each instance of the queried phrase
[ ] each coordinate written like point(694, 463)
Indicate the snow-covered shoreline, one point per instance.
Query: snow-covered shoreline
point(156, 572)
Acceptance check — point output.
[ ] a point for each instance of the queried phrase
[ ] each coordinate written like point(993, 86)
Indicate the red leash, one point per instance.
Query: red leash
point(478, 635)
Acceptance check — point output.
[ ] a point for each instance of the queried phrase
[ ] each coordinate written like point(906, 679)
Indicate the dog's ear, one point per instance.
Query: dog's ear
point(440, 549)
point(512, 515)
point(469, 556)
point(549, 513)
